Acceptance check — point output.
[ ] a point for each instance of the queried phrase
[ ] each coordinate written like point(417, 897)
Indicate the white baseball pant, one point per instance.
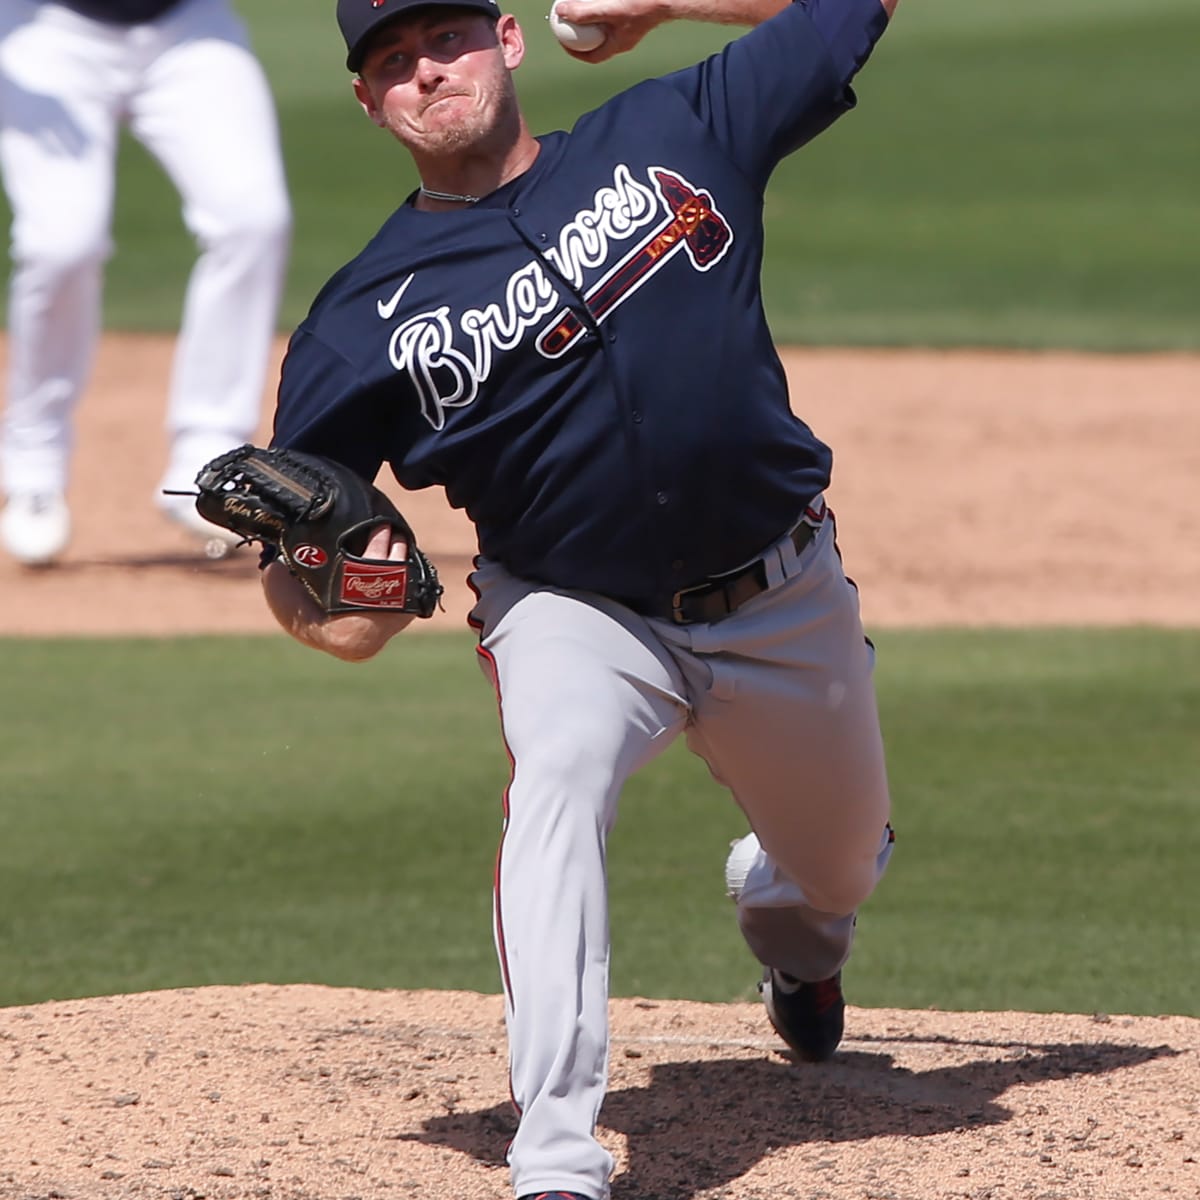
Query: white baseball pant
point(191, 91)
point(776, 698)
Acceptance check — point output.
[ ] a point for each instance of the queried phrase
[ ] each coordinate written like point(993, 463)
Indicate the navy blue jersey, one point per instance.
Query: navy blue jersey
point(582, 358)
point(120, 12)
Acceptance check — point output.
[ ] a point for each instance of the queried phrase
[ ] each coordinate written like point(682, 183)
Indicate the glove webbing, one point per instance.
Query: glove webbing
point(305, 499)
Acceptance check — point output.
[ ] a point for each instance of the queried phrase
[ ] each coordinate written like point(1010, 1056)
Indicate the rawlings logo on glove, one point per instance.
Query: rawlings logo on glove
point(368, 585)
point(320, 516)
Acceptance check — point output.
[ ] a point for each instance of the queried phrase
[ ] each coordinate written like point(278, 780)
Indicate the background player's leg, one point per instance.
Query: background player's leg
point(586, 697)
point(206, 113)
point(785, 715)
point(61, 78)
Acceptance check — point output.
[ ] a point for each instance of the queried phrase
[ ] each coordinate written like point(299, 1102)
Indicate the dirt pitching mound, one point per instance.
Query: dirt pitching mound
point(313, 1093)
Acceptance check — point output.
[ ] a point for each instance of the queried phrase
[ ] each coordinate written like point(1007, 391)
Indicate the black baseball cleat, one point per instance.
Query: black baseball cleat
point(810, 1017)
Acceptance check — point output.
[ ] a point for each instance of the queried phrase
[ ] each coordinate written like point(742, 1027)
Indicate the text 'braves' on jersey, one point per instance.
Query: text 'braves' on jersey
point(510, 352)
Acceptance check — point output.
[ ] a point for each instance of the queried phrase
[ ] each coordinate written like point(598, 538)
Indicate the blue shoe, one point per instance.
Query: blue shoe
point(810, 1017)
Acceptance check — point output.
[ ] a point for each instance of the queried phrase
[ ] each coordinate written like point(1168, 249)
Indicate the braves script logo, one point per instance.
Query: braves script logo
point(448, 374)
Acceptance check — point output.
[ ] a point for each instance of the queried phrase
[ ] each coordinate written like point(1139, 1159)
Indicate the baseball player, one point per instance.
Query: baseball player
point(181, 76)
point(567, 332)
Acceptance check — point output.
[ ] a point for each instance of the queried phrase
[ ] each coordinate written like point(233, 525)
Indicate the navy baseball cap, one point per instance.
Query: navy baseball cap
point(359, 19)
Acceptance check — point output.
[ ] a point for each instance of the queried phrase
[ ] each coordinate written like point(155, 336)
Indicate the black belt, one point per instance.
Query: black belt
point(723, 594)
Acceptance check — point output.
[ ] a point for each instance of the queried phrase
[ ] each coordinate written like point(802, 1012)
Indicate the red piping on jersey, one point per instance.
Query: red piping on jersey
point(494, 674)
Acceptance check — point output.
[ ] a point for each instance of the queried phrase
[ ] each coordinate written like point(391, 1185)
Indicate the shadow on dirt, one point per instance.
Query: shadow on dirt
point(716, 1119)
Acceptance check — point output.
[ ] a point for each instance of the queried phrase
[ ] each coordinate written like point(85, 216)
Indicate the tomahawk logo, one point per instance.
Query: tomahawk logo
point(693, 225)
point(447, 360)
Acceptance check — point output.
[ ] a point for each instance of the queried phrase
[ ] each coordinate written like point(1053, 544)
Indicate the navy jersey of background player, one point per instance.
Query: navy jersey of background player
point(582, 358)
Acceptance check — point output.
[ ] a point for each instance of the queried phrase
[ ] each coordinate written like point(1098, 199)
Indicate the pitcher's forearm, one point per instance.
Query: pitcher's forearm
point(716, 12)
point(352, 637)
point(723, 12)
point(627, 22)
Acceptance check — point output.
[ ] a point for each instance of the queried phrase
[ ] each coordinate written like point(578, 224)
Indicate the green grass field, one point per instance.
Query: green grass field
point(226, 810)
point(1016, 175)
point(233, 810)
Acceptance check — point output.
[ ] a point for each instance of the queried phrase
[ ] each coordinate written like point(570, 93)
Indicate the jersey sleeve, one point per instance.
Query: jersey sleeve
point(775, 88)
point(323, 408)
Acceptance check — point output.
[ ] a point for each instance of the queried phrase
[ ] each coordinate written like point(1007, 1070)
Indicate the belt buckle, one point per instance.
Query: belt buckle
point(677, 600)
point(808, 526)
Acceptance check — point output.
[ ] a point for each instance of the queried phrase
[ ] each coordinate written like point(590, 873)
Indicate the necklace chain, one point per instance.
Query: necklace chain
point(452, 197)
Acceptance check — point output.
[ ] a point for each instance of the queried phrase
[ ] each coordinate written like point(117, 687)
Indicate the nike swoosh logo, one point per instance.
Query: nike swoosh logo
point(386, 309)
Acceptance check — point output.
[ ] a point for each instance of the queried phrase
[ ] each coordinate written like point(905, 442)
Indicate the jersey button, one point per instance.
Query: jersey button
point(612, 337)
point(637, 417)
point(677, 566)
point(543, 237)
point(662, 498)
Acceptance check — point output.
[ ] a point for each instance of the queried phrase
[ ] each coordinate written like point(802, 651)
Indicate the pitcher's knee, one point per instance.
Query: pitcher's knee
point(843, 886)
point(835, 885)
point(841, 894)
point(570, 777)
point(580, 768)
point(788, 875)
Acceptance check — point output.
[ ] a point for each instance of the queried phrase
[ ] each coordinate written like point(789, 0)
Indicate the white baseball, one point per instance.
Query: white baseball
point(576, 37)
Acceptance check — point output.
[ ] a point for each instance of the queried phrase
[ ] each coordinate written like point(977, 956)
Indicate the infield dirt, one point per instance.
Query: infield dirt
point(971, 489)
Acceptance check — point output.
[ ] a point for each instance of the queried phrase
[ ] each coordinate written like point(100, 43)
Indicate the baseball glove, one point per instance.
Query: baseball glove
point(319, 515)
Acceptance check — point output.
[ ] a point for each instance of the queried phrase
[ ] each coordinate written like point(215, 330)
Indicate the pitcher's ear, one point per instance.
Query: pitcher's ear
point(512, 40)
point(362, 94)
